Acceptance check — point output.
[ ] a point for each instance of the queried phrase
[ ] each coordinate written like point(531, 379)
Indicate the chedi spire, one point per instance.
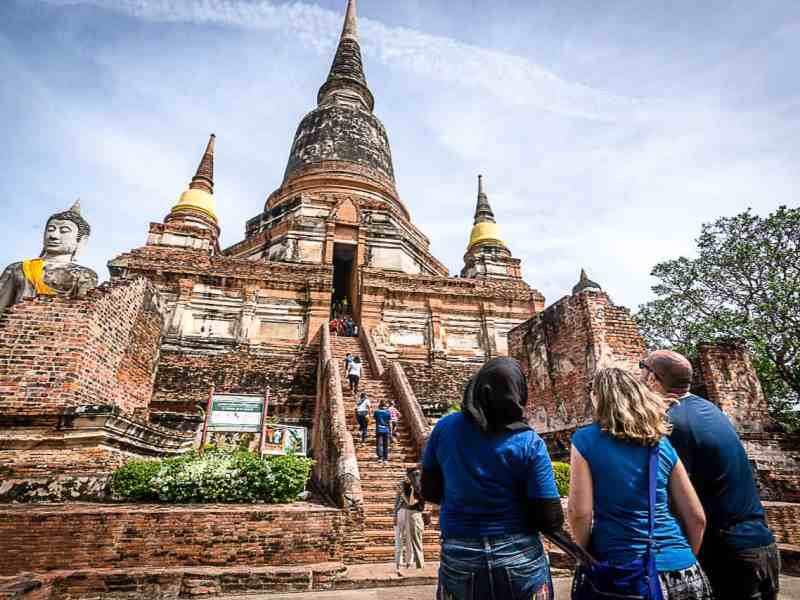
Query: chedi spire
point(346, 78)
point(485, 230)
point(196, 204)
point(483, 211)
point(585, 284)
point(204, 177)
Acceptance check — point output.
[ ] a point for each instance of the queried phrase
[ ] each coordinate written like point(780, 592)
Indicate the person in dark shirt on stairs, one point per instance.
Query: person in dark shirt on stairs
point(493, 478)
point(383, 425)
point(738, 554)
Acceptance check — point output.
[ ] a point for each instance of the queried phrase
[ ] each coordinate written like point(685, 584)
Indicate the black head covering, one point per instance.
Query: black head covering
point(495, 397)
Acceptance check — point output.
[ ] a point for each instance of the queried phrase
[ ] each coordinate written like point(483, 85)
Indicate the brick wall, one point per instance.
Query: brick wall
point(57, 353)
point(730, 382)
point(784, 520)
point(185, 376)
point(440, 383)
point(562, 347)
point(81, 536)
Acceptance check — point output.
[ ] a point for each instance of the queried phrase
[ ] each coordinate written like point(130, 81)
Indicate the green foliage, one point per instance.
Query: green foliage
point(561, 472)
point(743, 283)
point(132, 480)
point(217, 475)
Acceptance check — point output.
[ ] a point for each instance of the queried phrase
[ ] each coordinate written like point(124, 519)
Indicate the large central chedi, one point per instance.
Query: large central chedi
point(335, 233)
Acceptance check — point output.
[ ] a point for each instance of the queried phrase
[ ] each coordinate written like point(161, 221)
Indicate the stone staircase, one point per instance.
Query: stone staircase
point(379, 481)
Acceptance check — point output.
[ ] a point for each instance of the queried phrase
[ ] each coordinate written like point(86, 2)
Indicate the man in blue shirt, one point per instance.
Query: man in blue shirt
point(383, 428)
point(739, 554)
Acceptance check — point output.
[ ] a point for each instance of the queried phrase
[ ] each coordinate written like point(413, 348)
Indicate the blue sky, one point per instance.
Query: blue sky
point(607, 131)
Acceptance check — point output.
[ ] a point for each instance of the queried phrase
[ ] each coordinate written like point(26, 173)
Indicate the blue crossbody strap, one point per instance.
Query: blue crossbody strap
point(652, 573)
point(653, 477)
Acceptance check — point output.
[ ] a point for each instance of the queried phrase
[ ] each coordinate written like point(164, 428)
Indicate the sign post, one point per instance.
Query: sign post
point(263, 439)
point(204, 436)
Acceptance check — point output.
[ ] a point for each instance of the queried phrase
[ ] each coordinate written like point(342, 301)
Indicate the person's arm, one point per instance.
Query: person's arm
point(8, 288)
point(687, 506)
point(580, 505)
point(432, 478)
point(543, 504)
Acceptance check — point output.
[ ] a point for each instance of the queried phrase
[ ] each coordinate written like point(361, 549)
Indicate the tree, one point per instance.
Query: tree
point(743, 283)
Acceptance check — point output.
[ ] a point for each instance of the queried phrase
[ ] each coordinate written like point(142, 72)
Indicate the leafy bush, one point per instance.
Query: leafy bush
point(215, 476)
point(561, 471)
point(132, 480)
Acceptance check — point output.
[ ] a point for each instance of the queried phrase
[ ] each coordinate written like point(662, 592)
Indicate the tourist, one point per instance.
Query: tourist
point(347, 360)
point(349, 326)
point(609, 500)
point(739, 554)
point(362, 415)
point(382, 427)
point(395, 419)
point(340, 329)
point(408, 523)
point(354, 374)
point(493, 478)
point(334, 326)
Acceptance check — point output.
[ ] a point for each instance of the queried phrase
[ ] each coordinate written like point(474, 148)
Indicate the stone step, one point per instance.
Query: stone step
point(206, 582)
point(386, 553)
point(385, 537)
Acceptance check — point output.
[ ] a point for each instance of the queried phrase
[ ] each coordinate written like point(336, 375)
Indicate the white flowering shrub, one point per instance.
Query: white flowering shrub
point(215, 476)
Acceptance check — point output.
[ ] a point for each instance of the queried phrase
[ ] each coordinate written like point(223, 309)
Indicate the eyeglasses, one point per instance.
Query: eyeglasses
point(648, 368)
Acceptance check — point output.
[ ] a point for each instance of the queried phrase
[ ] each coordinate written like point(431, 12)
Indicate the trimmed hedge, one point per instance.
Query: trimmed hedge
point(215, 476)
point(561, 472)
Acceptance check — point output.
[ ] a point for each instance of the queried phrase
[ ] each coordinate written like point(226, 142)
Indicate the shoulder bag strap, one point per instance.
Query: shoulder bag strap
point(652, 573)
point(653, 480)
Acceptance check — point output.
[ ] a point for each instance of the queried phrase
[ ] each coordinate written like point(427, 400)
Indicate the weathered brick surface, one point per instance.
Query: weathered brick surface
point(561, 349)
point(784, 520)
point(57, 353)
point(439, 384)
point(184, 379)
point(335, 467)
point(171, 583)
point(730, 382)
point(80, 536)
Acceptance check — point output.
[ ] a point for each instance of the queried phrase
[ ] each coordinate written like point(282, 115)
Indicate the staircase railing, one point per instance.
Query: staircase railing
point(335, 469)
point(409, 405)
point(375, 363)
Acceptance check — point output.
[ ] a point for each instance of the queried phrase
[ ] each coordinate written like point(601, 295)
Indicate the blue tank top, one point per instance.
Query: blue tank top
point(619, 477)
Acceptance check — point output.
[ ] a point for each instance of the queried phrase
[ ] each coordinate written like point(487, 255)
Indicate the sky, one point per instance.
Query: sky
point(607, 132)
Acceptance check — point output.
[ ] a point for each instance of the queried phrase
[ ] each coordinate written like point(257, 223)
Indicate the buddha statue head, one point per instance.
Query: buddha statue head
point(64, 234)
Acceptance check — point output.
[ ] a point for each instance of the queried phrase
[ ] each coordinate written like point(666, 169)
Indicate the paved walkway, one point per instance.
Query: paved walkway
point(790, 591)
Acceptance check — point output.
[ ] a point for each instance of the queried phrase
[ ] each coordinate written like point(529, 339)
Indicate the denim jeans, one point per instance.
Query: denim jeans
point(382, 444)
point(510, 567)
point(363, 425)
point(751, 574)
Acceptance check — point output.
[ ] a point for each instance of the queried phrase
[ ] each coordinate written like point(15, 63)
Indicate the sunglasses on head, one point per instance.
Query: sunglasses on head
point(649, 369)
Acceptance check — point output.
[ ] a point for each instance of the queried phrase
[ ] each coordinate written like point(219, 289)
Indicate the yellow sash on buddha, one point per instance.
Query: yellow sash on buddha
point(34, 272)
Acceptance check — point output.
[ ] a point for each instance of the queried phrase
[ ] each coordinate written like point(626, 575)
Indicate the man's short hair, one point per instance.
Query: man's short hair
point(673, 370)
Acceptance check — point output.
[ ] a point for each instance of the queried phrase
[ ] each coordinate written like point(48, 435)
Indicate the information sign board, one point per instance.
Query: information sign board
point(236, 413)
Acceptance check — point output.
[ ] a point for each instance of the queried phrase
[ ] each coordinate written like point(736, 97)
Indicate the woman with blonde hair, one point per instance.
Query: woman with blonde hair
point(625, 473)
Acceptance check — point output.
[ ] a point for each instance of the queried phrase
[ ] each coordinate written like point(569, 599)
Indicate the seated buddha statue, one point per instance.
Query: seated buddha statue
point(55, 272)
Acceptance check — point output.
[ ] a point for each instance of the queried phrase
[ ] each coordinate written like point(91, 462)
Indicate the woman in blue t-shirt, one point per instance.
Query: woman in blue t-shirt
point(609, 482)
point(492, 476)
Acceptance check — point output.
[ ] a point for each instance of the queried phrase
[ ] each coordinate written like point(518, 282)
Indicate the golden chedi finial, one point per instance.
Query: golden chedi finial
point(199, 197)
point(485, 229)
